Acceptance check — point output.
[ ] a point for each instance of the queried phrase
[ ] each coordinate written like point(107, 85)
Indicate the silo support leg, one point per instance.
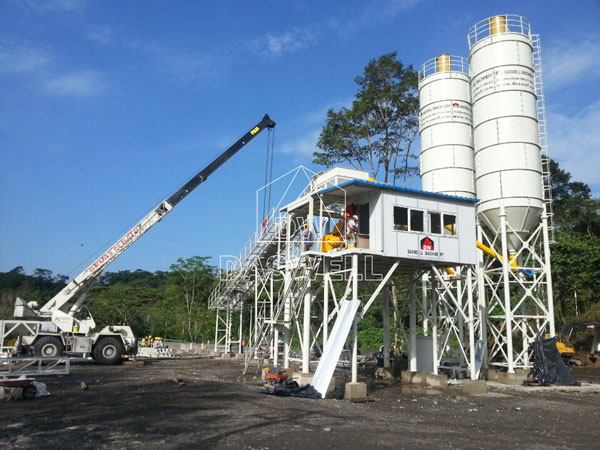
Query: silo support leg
point(412, 347)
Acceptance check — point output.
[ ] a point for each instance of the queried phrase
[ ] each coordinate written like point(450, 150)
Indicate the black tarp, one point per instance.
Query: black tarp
point(548, 366)
point(292, 389)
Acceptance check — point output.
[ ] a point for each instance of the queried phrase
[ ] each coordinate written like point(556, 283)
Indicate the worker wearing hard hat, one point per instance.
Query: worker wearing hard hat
point(352, 229)
point(158, 343)
point(352, 209)
point(307, 238)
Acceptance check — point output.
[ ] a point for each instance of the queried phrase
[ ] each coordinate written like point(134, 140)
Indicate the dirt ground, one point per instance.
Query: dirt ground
point(128, 407)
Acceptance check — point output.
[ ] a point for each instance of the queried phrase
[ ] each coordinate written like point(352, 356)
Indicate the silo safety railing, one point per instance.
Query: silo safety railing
point(444, 63)
point(504, 23)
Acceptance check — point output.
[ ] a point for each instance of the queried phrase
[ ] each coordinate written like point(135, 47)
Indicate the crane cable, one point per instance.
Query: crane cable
point(268, 175)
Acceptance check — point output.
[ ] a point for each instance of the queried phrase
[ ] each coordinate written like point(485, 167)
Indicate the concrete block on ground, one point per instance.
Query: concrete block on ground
point(406, 376)
point(513, 379)
point(419, 378)
point(474, 387)
point(238, 356)
point(491, 374)
point(217, 354)
point(355, 391)
point(226, 355)
point(436, 381)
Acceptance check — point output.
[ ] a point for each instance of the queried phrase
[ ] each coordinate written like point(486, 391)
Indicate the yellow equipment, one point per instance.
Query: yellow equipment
point(331, 241)
point(564, 346)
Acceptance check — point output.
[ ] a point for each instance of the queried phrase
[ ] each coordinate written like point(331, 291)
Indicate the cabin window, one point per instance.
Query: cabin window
point(416, 220)
point(435, 223)
point(400, 218)
point(363, 218)
point(449, 225)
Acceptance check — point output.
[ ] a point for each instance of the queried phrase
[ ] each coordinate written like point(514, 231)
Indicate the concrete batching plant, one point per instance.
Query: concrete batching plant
point(503, 151)
point(482, 135)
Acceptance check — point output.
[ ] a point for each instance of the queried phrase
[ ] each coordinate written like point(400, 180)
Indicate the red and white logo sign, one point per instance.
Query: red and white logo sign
point(427, 244)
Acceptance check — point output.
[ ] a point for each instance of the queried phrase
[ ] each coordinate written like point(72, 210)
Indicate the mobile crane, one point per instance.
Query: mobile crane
point(69, 329)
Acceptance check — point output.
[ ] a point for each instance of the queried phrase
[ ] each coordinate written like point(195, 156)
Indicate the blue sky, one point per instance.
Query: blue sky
point(107, 107)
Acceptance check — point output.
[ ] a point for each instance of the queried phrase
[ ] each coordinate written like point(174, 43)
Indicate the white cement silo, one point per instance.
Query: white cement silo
point(505, 126)
point(447, 164)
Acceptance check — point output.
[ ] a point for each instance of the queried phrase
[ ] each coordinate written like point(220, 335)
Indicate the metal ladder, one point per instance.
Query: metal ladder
point(543, 132)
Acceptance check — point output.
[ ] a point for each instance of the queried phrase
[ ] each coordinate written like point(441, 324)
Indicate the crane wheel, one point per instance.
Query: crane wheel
point(108, 351)
point(48, 347)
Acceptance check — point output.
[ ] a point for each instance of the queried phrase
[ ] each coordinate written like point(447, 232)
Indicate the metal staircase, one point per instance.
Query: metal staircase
point(265, 243)
point(302, 270)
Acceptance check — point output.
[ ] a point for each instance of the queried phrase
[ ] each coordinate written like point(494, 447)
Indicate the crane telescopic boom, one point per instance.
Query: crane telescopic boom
point(57, 306)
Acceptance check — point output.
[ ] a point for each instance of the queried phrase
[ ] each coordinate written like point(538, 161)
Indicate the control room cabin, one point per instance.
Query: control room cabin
point(391, 222)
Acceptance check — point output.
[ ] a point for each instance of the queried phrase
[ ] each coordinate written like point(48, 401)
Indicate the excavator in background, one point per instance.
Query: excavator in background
point(66, 326)
point(567, 349)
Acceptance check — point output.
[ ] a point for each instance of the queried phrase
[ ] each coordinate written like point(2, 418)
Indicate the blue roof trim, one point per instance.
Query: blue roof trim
point(397, 188)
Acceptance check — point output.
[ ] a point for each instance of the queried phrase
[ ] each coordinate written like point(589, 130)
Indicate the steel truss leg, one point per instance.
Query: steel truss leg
point(412, 345)
point(356, 319)
point(386, 328)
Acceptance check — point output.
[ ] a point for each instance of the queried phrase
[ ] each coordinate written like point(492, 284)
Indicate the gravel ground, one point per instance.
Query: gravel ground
point(216, 407)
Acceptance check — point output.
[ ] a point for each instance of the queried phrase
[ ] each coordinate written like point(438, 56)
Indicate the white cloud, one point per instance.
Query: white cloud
point(274, 45)
point(180, 61)
point(375, 13)
point(572, 61)
point(575, 143)
point(22, 59)
point(185, 64)
point(101, 36)
point(304, 146)
point(312, 123)
point(82, 83)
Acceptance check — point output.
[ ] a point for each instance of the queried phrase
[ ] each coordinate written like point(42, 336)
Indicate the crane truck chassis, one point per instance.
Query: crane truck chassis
point(67, 327)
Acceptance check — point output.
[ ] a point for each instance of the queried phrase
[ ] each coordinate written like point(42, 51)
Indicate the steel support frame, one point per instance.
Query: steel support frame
point(516, 307)
point(450, 315)
point(223, 329)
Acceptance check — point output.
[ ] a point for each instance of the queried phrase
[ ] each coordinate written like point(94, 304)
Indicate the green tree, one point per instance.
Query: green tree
point(39, 287)
point(192, 281)
point(575, 273)
point(380, 128)
point(123, 304)
point(576, 252)
point(574, 207)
